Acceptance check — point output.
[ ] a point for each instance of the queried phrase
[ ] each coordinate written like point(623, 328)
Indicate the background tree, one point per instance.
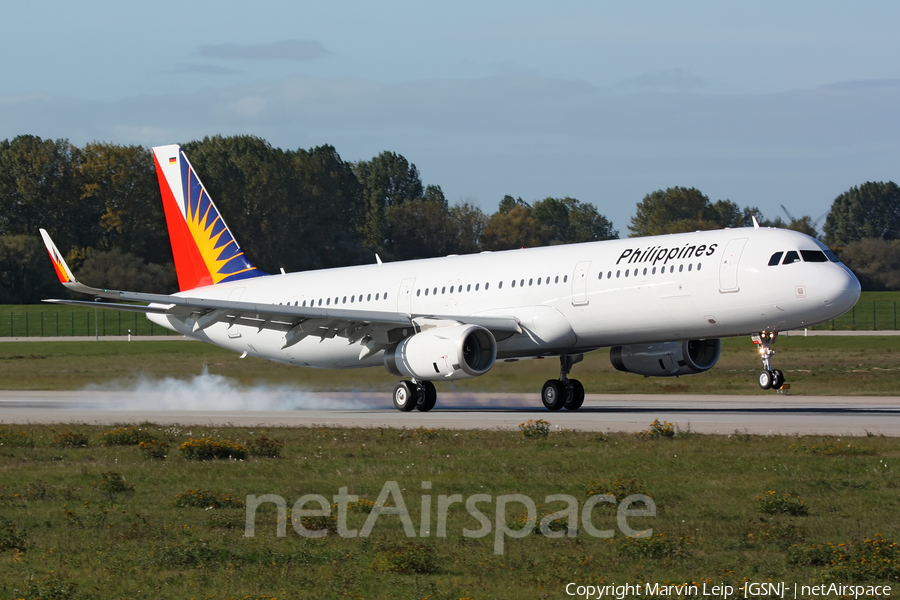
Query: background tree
point(420, 229)
point(387, 180)
point(329, 206)
point(38, 189)
point(875, 261)
point(469, 223)
point(871, 210)
point(675, 210)
point(573, 221)
point(516, 228)
point(119, 270)
point(26, 275)
point(122, 180)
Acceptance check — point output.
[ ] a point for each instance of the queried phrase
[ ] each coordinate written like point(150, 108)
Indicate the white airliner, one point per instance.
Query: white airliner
point(660, 303)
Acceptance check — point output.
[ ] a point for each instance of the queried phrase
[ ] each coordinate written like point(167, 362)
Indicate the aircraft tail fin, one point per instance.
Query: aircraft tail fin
point(205, 251)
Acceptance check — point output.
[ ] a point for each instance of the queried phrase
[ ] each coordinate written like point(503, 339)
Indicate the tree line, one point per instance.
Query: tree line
point(309, 209)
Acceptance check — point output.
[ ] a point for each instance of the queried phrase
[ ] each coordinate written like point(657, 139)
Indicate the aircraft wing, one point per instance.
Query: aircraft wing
point(375, 329)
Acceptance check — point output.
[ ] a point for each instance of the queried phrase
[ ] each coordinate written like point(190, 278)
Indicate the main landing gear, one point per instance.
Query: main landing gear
point(564, 392)
point(419, 395)
point(768, 377)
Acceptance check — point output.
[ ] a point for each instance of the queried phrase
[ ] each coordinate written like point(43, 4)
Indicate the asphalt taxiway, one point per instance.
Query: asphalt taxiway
point(756, 414)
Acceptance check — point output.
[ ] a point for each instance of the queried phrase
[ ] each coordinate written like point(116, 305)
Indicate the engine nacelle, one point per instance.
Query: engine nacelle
point(667, 359)
point(443, 353)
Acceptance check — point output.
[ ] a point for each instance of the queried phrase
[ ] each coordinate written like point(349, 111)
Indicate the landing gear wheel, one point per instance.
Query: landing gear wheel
point(777, 379)
point(405, 396)
point(427, 397)
point(765, 379)
point(554, 394)
point(576, 396)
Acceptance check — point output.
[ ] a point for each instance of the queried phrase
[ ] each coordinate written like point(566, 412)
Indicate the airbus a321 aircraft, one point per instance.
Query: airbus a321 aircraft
point(660, 303)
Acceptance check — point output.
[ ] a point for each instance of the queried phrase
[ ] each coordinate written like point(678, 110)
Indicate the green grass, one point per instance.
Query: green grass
point(70, 534)
point(52, 320)
point(813, 365)
point(875, 310)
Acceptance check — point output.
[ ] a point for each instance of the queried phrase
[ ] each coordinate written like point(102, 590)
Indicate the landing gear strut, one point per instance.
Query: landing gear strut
point(419, 395)
point(564, 392)
point(768, 377)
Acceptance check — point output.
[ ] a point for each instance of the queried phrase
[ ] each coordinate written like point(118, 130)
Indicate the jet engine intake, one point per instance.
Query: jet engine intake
point(453, 352)
point(667, 359)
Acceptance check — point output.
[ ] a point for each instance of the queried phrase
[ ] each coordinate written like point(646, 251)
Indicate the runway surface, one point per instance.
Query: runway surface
point(773, 414)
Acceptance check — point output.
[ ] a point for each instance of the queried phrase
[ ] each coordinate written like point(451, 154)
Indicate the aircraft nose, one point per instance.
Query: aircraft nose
point(843, 289)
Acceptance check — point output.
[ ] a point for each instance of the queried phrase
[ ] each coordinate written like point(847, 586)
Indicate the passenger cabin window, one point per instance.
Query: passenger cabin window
point(791, 257)
point(776, 258)
point(813, 256)
point(500, 285)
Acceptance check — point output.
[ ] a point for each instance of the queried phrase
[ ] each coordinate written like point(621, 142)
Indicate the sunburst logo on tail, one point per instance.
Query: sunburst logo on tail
point(223, 257)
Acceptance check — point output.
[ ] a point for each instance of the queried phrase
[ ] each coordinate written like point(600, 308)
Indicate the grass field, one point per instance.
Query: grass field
point(867, 365)
point(874, 311)
point(103, 522)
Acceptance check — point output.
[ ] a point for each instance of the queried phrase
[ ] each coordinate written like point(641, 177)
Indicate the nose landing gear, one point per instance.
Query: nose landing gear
point(769, 378)
point(564, 392)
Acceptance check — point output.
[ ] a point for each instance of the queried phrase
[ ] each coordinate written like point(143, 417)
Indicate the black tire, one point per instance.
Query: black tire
point(576, 397)
point(553, 394)
point(777, 379)
point(405, 396)
point(765, 379)
point(428, 399)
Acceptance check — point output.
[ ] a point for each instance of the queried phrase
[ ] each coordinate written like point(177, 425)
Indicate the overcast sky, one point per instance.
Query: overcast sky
point(764, 103)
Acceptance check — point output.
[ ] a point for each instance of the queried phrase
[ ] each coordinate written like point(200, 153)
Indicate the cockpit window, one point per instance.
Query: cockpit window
point(792, 256)
point(813, 256)
point(776, 258)
point(831, 255)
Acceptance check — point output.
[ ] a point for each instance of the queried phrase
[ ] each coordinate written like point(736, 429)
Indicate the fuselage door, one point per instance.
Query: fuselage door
point(579, 283)
point(728, 271)
point(404, 296)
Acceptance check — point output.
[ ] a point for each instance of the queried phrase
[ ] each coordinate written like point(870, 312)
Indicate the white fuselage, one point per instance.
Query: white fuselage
point(569, 299)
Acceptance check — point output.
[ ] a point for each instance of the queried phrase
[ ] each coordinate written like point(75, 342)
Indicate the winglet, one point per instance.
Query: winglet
point(59, 263)
point(64, 273)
